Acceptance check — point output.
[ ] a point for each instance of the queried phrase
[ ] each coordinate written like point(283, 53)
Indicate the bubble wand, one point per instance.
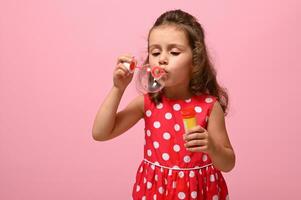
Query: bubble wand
point(149, 78)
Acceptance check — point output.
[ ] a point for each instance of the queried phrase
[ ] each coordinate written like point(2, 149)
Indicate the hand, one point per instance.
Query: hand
point(121, 76)
point(198, 140)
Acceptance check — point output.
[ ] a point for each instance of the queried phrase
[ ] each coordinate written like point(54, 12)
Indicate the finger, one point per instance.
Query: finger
point(195, 143)
point(120, 73)
point(198, 149)
point(194, 136)
point(125, 58)
point(197, 128)
point(120, 66)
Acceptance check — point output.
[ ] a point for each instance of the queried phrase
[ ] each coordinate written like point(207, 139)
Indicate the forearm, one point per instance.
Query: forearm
point(105, 118)
point(223, 158)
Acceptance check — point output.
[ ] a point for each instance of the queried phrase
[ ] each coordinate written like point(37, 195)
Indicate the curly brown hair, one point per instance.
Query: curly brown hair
point(203, 80)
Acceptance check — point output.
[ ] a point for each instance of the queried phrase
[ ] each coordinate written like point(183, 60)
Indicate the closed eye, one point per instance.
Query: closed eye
point(175, 53)
point(155, 54)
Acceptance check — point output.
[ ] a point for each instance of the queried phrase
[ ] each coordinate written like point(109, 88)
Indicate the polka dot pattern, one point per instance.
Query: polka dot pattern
point(177, 127)
point(165, 156)
point(159, 106)
point(176, 148)
point(187, 159)
point(164, 146)
point(148, 113)
point(181, 195)
point(168, 116)
point(166, 136)
point(176, 107)
point(156, 144)
point(198, 109)
point(157, 124)
point(194, 194)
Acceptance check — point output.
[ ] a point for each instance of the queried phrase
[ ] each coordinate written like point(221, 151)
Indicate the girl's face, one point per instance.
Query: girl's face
point(169, 48)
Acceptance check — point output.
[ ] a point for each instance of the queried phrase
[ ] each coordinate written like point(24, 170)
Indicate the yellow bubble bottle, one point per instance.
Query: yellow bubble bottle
point(189, 118)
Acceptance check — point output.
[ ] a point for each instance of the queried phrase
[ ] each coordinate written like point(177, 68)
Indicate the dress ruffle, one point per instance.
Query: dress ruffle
point(154, 182)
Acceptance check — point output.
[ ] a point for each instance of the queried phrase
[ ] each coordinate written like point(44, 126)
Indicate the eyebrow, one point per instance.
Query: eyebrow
point(169, 46)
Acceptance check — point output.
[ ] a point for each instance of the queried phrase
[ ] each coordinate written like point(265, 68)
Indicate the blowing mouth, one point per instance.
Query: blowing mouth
point(157, 72)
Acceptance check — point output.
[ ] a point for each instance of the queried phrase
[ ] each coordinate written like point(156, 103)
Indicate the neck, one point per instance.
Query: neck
point(177, 92)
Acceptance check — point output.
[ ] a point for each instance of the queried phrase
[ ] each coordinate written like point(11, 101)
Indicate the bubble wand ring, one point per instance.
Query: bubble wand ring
point(148, 77)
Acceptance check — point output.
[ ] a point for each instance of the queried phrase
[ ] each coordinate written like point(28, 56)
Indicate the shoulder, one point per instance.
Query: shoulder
point(217, 116)
point(217, 109)
point(138, 103)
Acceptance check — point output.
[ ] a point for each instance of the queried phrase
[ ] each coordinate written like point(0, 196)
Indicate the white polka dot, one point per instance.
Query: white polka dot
point(148, 113)
point(159, 106)
point(156, 144)
point(208, 100)
point(161, 190)
point(141, 169)
point(177, 127)
point(200, 171)
point(155, 197)
point(156, 177)
point(165, 181)
point(187, 100)
point(215, 197)
point(143, 198)
point(176, 107)
point(157, 124)
point(181, 195)
point(216, 176)
point(204, 157)
point(212, 178)
point(153, 167)
point(187, 159)
point(149, 185)
point(166, 136)
point(149, 152)
point(144, 180)
point(168, 116)
point(148, 133)
point(176, 148)
point(198, 109)
point(191, 174)
point(137, 188)
point(194, 194)
point(174, 184)
point(169, 172)
point(181, 174)
point(165, 156)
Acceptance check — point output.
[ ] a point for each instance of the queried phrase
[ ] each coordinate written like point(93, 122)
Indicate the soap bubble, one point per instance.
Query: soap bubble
point(150, 79)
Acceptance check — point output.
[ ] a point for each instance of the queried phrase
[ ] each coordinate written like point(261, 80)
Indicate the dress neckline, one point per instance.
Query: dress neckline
point(184, 99)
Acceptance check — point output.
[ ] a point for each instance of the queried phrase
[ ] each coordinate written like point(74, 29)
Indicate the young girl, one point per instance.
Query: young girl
point(178, 163)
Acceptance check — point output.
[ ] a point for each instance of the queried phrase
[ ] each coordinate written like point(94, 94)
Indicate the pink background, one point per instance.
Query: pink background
point(56, 62)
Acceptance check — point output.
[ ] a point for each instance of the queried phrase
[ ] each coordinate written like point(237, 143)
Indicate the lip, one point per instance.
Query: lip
point(157, 71)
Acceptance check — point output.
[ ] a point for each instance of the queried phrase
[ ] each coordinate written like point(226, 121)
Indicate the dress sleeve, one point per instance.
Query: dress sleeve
point(210, 100)
point(147, 102)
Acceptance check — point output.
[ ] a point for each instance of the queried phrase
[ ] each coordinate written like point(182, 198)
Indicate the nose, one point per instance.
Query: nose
point(163, 60)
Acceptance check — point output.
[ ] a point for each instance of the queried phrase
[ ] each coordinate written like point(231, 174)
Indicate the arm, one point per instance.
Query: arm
point(222, 153)
point(213, 141)
point(108, 123)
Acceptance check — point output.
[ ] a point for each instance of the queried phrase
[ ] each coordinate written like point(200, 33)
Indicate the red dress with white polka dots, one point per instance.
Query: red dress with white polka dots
point(168, 170)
